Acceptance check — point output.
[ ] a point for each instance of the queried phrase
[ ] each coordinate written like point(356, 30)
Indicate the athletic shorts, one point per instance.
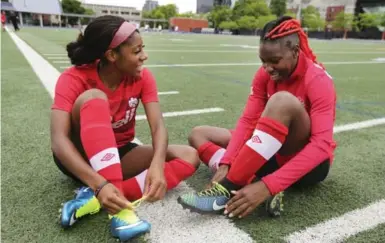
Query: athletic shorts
point(123, 150)
point(312, 178)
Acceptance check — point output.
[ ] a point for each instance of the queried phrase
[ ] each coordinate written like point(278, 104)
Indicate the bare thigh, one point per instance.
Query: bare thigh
point(203, 134)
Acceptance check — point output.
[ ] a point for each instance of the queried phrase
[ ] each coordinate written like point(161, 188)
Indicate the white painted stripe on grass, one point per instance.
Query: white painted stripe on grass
point(339, 228)
point(359, 125)
point(64, 57)
point(43, 69)
point(180, 225)
point(168, 93)
point(60, 62)
point(184, 113)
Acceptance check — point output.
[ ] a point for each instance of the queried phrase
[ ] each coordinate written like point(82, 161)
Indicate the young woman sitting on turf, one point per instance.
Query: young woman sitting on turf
point(92, 128)
point(284, 137)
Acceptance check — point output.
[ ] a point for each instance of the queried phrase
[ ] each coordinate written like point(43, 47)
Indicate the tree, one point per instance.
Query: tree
point(219, 14)
point(344, 21)
point(382, 25)
point(311, 18)
point(247, 23)
point(255, 8)
point(367, 20)
point(228, 25)
point(72, 6)
point(278, 7)
point(263, 20)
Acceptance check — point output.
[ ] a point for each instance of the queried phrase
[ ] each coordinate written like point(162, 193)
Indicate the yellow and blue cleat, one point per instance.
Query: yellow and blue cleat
point(85, 203)
point(210, 201)
point(126, 225)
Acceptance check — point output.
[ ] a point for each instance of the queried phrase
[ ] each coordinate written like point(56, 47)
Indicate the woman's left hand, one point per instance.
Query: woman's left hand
point(155, 183)
point(247, 199)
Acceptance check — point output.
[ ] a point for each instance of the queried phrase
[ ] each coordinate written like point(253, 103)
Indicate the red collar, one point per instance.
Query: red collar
point(300, 69)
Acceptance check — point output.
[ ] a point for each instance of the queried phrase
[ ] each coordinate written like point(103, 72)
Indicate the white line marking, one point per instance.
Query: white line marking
point(339, 228)
point(63, 57)
point(184, 113)
point(168, 93)
point(240, 64)
point(185, 226)
point(380, 59)
point(66, 61)
point(359, 125)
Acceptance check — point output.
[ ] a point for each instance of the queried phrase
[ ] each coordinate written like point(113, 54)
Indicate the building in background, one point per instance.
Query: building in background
point(150, 5)
point(328, 9)
point(204, 6)
point(129, 13)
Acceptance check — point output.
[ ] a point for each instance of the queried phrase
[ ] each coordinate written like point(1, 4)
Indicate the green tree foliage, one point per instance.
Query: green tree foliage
point(219, 14)
point(228, 25)
point(278, 7)
point(311, 19)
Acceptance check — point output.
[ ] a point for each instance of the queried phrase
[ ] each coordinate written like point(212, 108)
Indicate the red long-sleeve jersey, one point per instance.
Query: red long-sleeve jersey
point(314, 87)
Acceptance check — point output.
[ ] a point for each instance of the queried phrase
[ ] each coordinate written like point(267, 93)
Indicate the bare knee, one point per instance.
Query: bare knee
point(198, 136)
point(89, 95)
point(186, 153)
point(283, 106)
point(83, 98)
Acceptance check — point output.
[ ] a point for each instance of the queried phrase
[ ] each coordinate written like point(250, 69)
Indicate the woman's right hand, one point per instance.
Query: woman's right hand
point(112, 199)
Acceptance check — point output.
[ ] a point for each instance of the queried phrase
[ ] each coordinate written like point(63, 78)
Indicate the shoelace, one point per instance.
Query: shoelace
point(215, 190)
point(137, 203)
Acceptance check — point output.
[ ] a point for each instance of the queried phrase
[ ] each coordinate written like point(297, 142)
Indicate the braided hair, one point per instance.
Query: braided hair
point(286, 26)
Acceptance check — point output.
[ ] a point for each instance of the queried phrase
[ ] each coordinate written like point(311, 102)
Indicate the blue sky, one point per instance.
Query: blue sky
point(183, 5)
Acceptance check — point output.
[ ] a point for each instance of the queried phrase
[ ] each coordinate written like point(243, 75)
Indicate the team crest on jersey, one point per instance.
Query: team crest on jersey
point(133, 102)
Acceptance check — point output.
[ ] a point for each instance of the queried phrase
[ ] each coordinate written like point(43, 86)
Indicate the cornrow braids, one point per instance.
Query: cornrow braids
point(286, 26)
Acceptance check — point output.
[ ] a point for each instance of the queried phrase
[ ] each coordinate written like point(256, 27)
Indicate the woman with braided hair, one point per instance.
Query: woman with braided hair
point(284, 137)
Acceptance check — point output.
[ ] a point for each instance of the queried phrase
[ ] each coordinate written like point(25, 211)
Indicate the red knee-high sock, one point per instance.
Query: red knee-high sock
point(99, 142)
point(211, 154)
point(175, 171)
point(267, 139)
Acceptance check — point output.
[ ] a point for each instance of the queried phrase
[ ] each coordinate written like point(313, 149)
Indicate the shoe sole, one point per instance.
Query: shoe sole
point(196, 210)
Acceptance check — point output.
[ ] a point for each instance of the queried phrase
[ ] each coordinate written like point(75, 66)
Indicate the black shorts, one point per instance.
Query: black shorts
point(315, 176)
point(123, 150)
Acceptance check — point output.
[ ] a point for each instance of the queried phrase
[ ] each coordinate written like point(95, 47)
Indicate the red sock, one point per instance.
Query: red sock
point(211, 154)
point(98, 140)
point(175, 171)
point(267, 139)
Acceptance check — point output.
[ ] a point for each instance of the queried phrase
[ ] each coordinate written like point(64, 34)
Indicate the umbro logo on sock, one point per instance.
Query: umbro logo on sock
point(108, 157)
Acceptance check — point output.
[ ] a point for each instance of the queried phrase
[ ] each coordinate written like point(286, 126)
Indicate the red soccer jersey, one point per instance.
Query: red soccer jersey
point(123, 101)
point(314, 87)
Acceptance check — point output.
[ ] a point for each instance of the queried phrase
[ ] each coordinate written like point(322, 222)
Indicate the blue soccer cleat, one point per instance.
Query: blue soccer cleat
point(84, 203)
point(212, 200)
point(126, 225)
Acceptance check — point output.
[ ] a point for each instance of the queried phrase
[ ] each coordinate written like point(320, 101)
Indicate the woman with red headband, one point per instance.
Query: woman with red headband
point(284, 137)
point(93, 129)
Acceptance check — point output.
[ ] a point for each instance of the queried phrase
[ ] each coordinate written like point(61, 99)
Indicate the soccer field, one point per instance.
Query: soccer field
point(206, 80)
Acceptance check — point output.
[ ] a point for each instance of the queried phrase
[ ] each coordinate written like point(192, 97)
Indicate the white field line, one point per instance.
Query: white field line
point(168, 93)
point(240, 64)
point(180, 225)
point(184, 113)
point(339, 228)
point(359, 125)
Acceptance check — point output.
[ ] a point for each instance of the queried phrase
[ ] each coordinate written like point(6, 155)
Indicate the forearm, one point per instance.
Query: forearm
point(71, 159)
point(159, 143)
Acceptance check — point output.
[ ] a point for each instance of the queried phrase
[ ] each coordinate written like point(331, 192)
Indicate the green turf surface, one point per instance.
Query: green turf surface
point(33, 188)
